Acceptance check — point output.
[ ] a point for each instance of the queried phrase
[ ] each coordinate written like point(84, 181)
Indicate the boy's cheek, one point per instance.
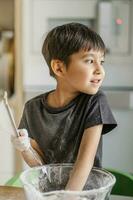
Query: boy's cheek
point(85, 76)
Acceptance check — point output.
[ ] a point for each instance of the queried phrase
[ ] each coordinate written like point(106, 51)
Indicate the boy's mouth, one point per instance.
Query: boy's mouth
point(95, 81)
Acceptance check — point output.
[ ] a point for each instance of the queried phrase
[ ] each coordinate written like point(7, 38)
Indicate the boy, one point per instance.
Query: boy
point(66, 125)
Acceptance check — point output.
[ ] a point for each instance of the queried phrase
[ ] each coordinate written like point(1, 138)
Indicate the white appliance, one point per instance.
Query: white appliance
point(114, 25)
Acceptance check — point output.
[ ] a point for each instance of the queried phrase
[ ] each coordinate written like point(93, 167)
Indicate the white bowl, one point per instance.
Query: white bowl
point(48, 182)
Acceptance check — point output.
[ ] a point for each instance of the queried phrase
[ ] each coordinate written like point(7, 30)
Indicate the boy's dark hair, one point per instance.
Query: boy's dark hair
point(62, 41)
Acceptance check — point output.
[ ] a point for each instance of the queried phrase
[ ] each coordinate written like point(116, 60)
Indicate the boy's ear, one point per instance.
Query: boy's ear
point(58, 67)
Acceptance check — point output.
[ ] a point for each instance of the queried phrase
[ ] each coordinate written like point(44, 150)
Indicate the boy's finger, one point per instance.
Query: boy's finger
point(23, 132)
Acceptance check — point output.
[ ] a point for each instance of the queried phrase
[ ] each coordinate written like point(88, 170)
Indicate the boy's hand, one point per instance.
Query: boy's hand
point(21, 143)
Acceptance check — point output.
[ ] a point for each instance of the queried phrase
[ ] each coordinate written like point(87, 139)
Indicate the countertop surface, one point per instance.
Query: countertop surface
point(15, 193)
point(11, 193)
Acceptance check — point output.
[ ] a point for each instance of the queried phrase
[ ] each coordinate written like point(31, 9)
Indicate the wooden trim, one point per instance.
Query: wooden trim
point(17, 99)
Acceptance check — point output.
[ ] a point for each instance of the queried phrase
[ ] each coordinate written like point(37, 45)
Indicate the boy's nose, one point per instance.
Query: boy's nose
point(98, 68)
point(98, 72)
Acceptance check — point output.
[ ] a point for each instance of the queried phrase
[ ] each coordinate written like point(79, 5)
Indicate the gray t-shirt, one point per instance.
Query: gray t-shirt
point(58, 131)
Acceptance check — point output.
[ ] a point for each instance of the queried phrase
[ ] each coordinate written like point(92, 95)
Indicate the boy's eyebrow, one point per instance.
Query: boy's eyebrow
point(90, 54)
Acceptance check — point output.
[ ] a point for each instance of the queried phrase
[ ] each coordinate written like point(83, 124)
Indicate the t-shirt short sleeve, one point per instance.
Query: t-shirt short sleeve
point(23, 122)
point(100, 113)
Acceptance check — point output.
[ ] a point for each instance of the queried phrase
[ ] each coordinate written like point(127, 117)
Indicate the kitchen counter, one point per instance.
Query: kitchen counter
point(11, 193)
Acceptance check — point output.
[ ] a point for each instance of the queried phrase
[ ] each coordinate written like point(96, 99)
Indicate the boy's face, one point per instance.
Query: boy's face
point(85, 72)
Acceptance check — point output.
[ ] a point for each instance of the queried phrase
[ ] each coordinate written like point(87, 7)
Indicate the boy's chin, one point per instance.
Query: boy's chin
point(92, 91)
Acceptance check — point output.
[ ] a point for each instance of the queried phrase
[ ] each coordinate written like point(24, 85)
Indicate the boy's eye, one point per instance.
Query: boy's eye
point(102, 62)
point(90, 61)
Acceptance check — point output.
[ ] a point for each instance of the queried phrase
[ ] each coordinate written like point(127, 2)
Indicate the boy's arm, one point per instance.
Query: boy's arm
point(28, 147)
point(29, 157)
point(85, 158)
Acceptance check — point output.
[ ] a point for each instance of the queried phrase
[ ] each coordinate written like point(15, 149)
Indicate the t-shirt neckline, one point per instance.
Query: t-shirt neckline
point(59, 109)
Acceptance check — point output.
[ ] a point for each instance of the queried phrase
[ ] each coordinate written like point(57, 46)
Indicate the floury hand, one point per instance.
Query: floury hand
point(22, 144)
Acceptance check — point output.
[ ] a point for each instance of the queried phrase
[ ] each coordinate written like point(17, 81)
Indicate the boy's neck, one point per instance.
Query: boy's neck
point(59, 98)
